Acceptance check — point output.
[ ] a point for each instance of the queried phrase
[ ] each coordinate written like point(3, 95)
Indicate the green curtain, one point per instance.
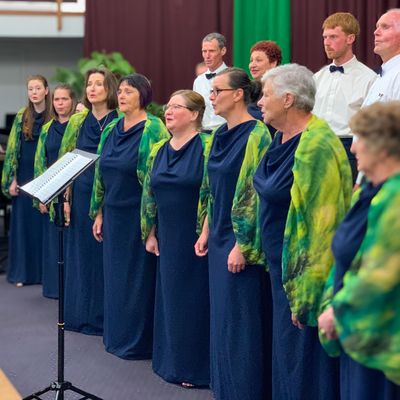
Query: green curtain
point(255, 20)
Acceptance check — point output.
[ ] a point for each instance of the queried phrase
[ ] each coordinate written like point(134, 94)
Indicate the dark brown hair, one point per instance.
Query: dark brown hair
point(110, 84)
point(72, 95)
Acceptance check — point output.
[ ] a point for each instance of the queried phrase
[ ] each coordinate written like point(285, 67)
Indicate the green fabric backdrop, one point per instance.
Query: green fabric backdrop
point(255, 20)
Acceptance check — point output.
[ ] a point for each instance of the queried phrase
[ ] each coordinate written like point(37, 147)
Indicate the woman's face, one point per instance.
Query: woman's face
point(128, 98)
point(272, 106)
point(95, 90)
point(222, 95)
point(37, 91)
point(259, 64)
point(62, 103)
point(178, 117)
point(367, 159)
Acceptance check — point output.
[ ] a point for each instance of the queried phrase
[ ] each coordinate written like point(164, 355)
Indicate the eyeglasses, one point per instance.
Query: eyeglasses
point(174, 107)
point(216, 92)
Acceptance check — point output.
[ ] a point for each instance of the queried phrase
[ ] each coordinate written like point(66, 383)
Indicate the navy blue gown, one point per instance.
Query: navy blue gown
point(129, 271)
point(25, 243)
point(239, 316)
point(84, 288)
point(181, 321)
point(50, 232)
point(301, 368)
point(356, 381)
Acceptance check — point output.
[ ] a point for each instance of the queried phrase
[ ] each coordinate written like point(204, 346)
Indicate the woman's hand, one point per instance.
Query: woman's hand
point(201, 246)
point(14, 191)
point(152, 245)
point(296, 322)
point(97, 228)
point(67, 213)
point(43, 208)
point(236, 261)
point(326, 324)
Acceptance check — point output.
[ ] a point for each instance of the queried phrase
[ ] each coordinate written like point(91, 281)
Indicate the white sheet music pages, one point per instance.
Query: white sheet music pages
point(60, 175)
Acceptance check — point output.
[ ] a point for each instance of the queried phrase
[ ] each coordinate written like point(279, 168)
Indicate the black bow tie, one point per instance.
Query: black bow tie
point(210, 75)
point(334, 68)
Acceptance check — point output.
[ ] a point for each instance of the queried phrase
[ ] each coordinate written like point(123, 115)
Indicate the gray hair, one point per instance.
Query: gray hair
point(296, 80)
point(218, 37)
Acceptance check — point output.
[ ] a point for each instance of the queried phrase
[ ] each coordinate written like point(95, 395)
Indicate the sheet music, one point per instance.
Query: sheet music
point(57, 177)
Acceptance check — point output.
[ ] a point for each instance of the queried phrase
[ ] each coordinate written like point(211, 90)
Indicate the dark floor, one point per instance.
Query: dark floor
point(28, 354)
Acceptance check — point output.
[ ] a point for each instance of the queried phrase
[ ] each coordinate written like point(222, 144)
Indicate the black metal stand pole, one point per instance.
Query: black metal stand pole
point(60, 386)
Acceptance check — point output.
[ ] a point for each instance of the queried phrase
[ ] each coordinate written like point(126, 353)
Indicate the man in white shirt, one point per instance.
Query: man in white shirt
point(343, 85)
point(387, 46)
point(213, 50)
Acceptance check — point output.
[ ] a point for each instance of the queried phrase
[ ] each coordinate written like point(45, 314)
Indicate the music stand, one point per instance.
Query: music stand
point(60, 385)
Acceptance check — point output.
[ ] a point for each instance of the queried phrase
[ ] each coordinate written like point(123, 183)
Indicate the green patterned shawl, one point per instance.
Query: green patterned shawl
point(40, 155)
point(367, 315)
point(148, 205)
point(12, 154)
point(154, 131)
point(245, 206)
point(71, 133)
point(320, 198)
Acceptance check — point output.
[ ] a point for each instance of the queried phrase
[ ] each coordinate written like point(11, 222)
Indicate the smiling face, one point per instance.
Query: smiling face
point(212, 54)
point(259, 64)
point(337, 43)
point(37, 92)
point(62, 103)
point(178, 117)
point(387, 35)
point(95, 90)
point(128, 98)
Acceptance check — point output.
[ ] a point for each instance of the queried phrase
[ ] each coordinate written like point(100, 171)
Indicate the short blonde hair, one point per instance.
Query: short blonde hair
point(345, 20)
point(379, 126)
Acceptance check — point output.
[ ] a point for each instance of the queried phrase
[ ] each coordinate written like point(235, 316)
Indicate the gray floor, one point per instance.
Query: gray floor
point(28, 355)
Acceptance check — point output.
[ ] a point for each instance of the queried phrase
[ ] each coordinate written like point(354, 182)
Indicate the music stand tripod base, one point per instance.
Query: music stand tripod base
point(60, 386)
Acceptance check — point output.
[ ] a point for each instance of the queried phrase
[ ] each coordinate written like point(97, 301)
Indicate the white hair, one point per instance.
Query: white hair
point(296, 80)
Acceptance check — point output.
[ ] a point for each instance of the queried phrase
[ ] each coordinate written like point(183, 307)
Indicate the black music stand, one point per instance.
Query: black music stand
point(60, 386)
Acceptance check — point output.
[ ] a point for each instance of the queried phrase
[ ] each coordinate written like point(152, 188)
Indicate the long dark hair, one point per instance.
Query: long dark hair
point(28, 116)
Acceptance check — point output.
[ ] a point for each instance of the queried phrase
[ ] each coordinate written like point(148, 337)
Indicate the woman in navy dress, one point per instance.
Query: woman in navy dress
point(303, 175)
point(358, 381)
point(25, 243)
point(239, 294)
point(172, 194)
point(84, 282)
point(129, 271)
point(63, 106)
point(264, 55)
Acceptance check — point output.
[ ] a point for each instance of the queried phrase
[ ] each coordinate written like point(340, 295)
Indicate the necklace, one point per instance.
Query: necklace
point(101, 126)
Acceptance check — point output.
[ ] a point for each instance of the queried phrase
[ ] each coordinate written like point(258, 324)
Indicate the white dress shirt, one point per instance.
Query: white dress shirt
point(203, 86)
point(340, 95)
point(387, 86)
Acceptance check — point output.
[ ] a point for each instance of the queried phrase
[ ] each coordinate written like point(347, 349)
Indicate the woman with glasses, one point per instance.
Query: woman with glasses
point(239, 331)
point(173, 207)
point(129, 272)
